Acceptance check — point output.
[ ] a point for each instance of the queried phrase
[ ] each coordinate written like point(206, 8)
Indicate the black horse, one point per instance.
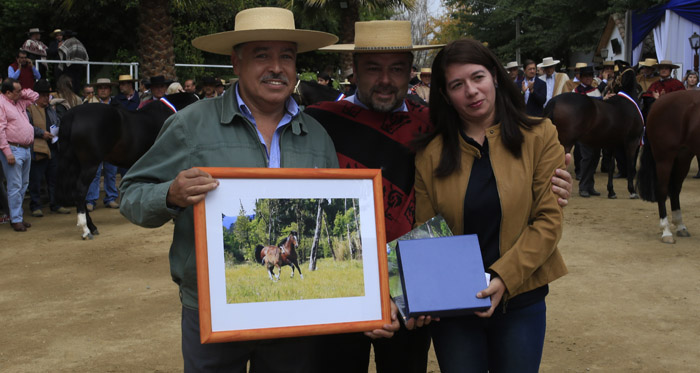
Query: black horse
point(92, 133)
point(609, 124)
point(309, 92)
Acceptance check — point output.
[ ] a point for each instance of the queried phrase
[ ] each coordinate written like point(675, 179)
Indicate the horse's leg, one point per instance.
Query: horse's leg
point(631, 151)
point(678, 174)
point(270, 272)
point(611, 171)
point(79, 194)
point(296, 263)
point(279, 271)
point(663, 171)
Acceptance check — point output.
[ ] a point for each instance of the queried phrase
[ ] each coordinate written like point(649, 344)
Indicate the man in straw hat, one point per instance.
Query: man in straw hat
point(571, 84)
point(555, 81)
point(647, 75)
point(256, 125)
point(127, 96)
point(374, 129)
point(513, 69)
point(665, 84)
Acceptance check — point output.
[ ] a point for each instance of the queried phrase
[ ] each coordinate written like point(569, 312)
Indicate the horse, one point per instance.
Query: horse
point(281, 255)
point(609, 124)
point(307, 93)
point(672, 138)
point(92, 133)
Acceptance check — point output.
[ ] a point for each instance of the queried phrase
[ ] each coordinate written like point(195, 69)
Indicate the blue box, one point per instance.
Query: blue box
point(441, 276)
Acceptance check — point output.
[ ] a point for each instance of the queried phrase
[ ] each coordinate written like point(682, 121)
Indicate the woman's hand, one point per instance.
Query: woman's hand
point(495, 290)
point(420, 322)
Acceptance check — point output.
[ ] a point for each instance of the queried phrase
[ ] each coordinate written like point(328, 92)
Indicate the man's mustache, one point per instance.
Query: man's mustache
point(281, 77)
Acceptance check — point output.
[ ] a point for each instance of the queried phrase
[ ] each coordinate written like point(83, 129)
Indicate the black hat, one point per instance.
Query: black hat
point(210, 80)
point(158, 80)
point(42, 86)
point(588, 70)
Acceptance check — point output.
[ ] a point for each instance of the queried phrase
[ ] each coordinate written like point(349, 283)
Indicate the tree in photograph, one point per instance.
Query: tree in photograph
point(317, 234)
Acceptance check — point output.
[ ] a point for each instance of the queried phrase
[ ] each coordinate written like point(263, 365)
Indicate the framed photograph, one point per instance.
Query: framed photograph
point(291, 252)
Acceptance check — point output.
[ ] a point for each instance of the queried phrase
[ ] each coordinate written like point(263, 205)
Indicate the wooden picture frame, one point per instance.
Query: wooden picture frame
point(240, 299)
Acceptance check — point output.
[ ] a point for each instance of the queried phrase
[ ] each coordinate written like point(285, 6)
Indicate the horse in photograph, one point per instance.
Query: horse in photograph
point(672, 139)
point(608, 124)
point(310, 92)
point(284, 254)
point(92, 133)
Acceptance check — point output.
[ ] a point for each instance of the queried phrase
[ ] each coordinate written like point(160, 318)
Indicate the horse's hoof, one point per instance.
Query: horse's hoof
point(301, 276)
point(668, 239)
point(95, 232)
point(683, 233)
point(634, 196)
point(612, 196)
point(89, 236)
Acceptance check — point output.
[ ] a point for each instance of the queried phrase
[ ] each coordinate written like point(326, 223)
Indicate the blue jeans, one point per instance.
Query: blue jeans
point(17, 176)
point(510, 342)
point(111, 193)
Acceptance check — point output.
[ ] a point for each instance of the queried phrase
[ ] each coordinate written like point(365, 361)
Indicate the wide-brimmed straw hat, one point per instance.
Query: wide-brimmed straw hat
point(34, 30)
point(126, 78)
point(381, 37)
point(103, 81)
point(426, 70)
point(666, 63)
point(649, 62)
point(56, 32)
point(512, 65)
point(264, 24)
point(547, 62)
point(579, 65)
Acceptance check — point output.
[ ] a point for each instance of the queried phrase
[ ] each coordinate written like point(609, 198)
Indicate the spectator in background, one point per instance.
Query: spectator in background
point(64, 90)
point(104, 96)
point(325, 79)
point(220, 87)
point(88, 93)
point(36, 50)
point(44, 118)
point(208, 87)
point(52, 53)
point(71, 49)
point(690, 81)
point(174, 88)
point(16, 139)
point(158, 85)
point(127, 96)
point(23, 71)
point(190, 86)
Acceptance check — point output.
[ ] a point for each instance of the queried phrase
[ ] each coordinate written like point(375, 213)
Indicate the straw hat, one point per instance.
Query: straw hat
point(579, 65)
point(34, 30)
point(103, 81)
point(126, 78)
point(426, 70)
point(381, 37)
point(666, 63)
point(512, 65)
point(56, 32)
point(264, 24)
point(649, 62)
point(547, 62)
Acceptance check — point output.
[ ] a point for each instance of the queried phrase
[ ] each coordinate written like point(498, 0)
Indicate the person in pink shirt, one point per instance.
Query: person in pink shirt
point(16, 138)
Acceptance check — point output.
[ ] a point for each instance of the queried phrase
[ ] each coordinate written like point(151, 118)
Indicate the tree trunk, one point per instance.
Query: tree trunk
point(357, 228)
point(347, 231)
point(328, 237)
point(347, 31)
point(317, 233)
point(156, 39)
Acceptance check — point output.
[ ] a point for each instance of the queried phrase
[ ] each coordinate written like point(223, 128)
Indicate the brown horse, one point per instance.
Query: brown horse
point(609, 124)
point(281, 255)
point(672, 138)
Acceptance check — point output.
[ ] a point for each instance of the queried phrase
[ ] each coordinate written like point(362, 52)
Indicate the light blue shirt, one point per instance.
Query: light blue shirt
point(359, 103)
point(14, 74)
point(273, 153)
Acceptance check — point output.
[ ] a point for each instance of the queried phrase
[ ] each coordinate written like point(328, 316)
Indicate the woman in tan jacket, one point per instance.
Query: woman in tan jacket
point(487, 170)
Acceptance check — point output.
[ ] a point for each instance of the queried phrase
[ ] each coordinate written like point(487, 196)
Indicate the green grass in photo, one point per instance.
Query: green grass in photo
point(249, 282)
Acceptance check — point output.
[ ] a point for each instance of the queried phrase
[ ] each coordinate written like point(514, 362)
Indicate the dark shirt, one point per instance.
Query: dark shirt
point(130, 104)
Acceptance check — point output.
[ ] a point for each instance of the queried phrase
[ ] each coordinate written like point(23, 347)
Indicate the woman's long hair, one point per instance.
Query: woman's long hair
point(510, 106)
point(64, 87)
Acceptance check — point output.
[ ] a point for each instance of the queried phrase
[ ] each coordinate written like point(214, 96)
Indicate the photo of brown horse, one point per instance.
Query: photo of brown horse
point(283, 254)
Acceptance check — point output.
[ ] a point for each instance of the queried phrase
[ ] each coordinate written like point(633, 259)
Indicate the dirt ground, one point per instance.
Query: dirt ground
point(629, 303)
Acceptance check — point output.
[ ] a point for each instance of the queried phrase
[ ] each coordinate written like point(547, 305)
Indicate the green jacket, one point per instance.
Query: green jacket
point(209, 133)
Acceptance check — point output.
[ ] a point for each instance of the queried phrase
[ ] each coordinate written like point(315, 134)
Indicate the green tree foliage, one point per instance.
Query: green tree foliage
point(548, 27)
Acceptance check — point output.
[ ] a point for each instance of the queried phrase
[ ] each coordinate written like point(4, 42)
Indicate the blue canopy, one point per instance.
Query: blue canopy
point(644, 21)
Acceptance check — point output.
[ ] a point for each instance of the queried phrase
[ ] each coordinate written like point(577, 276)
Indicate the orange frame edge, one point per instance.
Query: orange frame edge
point(205, 323)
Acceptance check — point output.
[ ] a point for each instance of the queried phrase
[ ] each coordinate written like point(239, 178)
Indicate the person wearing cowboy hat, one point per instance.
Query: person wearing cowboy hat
point(422, 89)
point(127, 97)
point(534, 90)
point(43, 116)
point(571, 84)
point(375, 128)
point(665, 84)
point(513, 69)
point(555, 81)
point(157, 85)
point(35, 48)
point(103, 87)
point(647, 74)
point(72, 49)
point(256, 124)
point(209, 87)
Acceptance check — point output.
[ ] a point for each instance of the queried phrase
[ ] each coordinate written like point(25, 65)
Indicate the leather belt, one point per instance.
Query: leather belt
point(18, 145)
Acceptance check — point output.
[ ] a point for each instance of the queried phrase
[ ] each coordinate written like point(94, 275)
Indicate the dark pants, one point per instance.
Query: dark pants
point(43, 169)
point(510, 342)
point(274, 355)
point(405, 352)
point(577, 160)
point(76, 73)
point(589, 161)
point(4, 205)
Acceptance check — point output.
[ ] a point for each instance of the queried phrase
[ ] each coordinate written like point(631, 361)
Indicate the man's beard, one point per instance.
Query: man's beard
point(383, 106)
